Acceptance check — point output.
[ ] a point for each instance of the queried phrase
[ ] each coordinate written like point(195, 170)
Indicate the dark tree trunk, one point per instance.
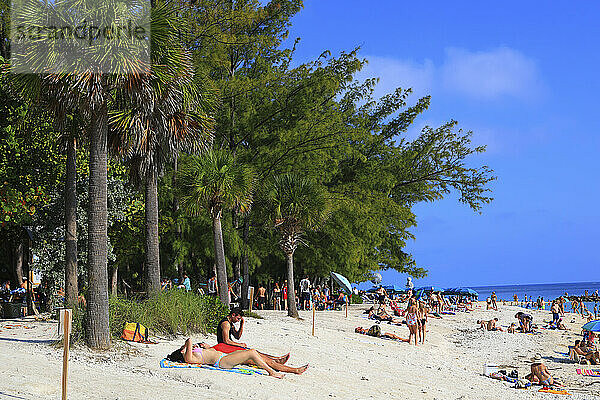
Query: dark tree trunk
point(114, 280)
point(18, 261)
point(220, 261)
point(97, 332)
point(152, 246)
point(292, 310)
point(71, 289)
point(245, 264)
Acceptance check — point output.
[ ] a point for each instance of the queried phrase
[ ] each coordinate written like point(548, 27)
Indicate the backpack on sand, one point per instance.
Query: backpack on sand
point(135, 332)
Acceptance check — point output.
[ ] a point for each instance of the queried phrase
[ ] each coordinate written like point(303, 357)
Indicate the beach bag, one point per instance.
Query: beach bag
point(375, 330)
point(135, 332)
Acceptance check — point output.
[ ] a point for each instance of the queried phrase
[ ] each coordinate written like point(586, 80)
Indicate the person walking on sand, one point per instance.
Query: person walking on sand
point(412, 320)
point(193, 354)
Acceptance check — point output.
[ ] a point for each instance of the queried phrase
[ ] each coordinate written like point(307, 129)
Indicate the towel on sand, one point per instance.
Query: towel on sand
point(553, 391)
point(164, 363)
point(588, 372)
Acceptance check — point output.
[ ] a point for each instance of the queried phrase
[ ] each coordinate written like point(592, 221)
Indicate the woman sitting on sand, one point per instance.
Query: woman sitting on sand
point(194, 354)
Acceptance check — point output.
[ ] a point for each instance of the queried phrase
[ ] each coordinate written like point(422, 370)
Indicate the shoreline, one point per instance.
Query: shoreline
point(343, 364)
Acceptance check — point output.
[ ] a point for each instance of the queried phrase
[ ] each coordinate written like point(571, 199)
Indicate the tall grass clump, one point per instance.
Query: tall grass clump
point(169, 313)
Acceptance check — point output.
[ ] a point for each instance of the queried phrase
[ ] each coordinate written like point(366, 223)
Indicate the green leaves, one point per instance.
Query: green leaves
point(215, 182)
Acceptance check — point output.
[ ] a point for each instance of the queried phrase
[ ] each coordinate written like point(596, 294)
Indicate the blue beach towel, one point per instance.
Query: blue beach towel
point(164, 363)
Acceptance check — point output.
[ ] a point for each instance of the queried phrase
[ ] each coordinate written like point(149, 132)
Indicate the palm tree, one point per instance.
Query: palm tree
point(295, 205)
point(216, 182)
point(84, 84)
point(150, 137)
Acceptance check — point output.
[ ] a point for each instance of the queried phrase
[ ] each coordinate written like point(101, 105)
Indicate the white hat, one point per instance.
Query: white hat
point(537, 358)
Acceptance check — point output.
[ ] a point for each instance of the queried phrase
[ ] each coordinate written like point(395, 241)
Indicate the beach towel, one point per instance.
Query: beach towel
point(588, 372)
point(553, 391)
point(164, 363)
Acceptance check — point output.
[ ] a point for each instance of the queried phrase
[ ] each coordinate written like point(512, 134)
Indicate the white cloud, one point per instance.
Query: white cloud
point(394, 73)
point(483, 75)
point(490, 74)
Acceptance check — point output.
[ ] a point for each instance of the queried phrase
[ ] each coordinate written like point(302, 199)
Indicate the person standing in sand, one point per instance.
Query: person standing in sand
point(305, 292)
point(422, 317)
point(494, 301)
point(276, 297)
point(261, 296)
point(412, 320)
point(284, 294)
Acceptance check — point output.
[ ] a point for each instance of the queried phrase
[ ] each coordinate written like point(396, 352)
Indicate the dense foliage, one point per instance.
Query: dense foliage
point(225, 85)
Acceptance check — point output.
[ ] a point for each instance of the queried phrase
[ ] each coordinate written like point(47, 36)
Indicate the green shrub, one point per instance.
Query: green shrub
point(168, 313)
point(356, 300)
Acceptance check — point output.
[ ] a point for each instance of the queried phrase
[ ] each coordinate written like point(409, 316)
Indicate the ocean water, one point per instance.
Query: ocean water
point(548, 291)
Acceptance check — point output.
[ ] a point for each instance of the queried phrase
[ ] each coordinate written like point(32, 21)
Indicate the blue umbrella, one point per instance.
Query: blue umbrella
point(592, 326)
point(393, 289)
point(342, 281)
point(430, 289)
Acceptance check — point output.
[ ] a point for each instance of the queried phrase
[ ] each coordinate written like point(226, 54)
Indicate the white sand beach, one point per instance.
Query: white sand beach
point(343, 364)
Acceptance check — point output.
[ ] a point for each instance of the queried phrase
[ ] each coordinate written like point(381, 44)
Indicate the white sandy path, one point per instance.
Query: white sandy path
point(343, 364)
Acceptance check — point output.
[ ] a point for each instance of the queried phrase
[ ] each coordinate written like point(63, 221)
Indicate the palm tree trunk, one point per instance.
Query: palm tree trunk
point(71, 289)
point(97, 332)
point(220, 261)
point(152, 249)
point(292, 311)
point(245, 265)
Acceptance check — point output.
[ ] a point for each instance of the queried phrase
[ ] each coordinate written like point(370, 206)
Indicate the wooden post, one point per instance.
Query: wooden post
point(66, 318)
point(313, 328)
point(251, 298)
point(346, 306)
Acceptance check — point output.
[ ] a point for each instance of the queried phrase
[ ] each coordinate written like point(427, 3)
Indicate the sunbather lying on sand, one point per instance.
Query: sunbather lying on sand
point(194, 354)
point(490, 325)
point(540, 374)
point(277, 363)
point(382, 315)
point(364, 331)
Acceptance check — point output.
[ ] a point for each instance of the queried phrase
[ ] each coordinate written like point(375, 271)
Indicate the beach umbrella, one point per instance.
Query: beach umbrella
point(342, 281)
point(393, 289)
point(430, 289)
point(592, 326)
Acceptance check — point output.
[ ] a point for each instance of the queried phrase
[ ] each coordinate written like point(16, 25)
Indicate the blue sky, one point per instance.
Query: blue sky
point(524, 78)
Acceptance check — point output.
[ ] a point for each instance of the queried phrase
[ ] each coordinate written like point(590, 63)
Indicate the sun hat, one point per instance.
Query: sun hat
point(537, 358)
